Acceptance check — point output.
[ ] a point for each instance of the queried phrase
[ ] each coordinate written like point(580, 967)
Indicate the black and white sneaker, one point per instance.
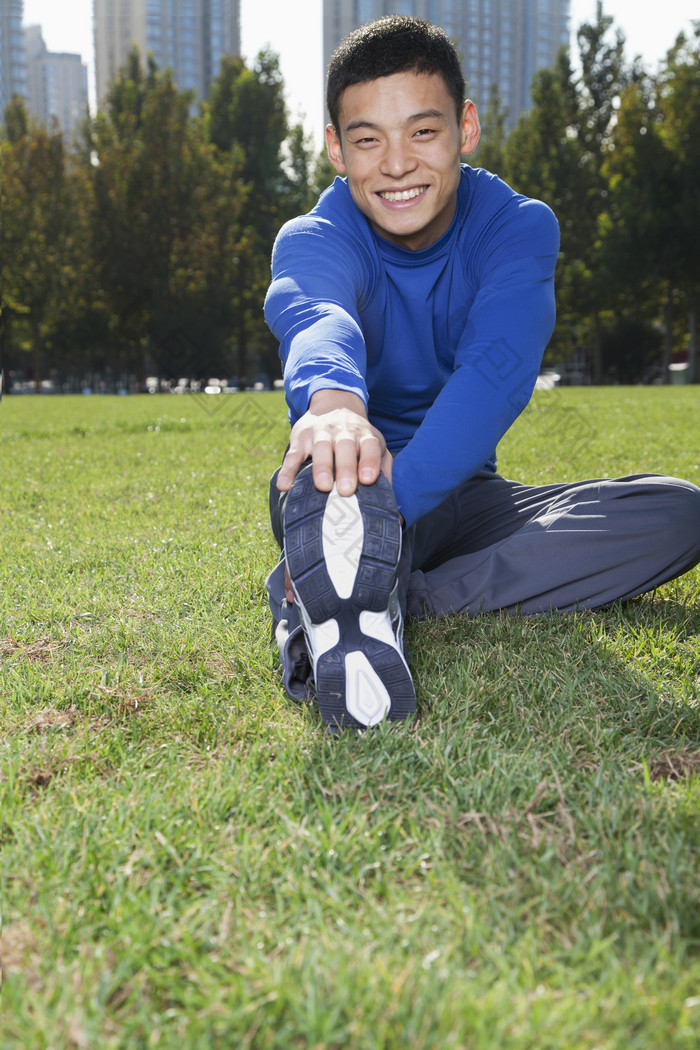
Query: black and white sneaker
point(342, 553)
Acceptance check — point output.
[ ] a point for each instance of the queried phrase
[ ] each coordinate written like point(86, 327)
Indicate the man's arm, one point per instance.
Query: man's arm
point(497, 359)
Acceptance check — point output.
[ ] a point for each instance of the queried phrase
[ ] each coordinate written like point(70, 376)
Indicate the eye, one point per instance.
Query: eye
point(425, 131)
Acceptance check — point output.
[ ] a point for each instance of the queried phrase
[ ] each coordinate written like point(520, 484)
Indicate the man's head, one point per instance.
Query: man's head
point(400, 126)
point(395, 44)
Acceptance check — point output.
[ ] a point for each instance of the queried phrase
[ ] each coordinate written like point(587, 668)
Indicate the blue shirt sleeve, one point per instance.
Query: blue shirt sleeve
point(319, 277)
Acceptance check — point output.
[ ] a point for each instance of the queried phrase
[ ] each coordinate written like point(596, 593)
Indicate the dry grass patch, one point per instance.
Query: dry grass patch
point(20, 953)
point(674, 764)
point(38, 650)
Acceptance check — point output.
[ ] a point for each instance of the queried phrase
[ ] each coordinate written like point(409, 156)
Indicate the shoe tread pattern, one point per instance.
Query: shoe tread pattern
point(376, 573)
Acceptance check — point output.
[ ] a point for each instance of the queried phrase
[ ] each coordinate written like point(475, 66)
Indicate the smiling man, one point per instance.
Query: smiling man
point(413, 306)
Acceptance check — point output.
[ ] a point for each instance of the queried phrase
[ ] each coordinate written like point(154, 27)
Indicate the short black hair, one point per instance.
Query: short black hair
point(394, 44)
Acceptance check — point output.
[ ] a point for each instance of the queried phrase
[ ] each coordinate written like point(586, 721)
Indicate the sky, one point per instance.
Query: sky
point(293, 30)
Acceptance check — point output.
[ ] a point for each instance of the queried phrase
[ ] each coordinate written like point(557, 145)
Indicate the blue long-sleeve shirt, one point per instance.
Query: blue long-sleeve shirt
point(443, 345)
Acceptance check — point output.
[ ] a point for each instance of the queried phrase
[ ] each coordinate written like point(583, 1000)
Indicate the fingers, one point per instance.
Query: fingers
point(346, 465)
point(311, 438)
point(295, 457)
point(343, 446)
point(369, 463)
point(387, 465)
point(322, 458)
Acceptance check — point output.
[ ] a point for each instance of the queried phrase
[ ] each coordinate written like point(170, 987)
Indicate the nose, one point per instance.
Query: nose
point(397, 160)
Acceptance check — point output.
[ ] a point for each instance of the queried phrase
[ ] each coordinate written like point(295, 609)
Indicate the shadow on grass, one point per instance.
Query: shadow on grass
point(626, 678)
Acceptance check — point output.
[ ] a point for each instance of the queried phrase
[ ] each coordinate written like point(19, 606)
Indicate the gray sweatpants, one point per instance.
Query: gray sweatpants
point(496, 544)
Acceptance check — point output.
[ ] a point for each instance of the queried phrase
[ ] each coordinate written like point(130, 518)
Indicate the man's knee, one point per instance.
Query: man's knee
point(684, 521)
point(669, 511)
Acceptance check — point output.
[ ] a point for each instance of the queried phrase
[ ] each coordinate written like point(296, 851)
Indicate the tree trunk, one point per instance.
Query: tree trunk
point(668, 335)
point(242, 367)
point(4, 346)
point(597, 363)
point(693, 345)
point(37, 347)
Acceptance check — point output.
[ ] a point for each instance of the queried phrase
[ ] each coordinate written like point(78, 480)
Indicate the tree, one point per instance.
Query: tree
point(557, 152)
point(246, 113)
point(603, 77)
point(651, 227)
point(151, 233)
point(36, 242)
point(639, 202)
point(543, 158)
point(679, 105)
point(490, 153)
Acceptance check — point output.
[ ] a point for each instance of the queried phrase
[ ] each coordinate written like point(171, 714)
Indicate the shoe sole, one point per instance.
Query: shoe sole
point(342, 553)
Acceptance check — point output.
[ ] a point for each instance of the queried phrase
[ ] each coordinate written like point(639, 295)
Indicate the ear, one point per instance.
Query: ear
point(469, 128)
point(335, 151)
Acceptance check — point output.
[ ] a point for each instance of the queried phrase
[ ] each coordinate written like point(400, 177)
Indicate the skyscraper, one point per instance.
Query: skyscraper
point(502, 42)
point(13, 64)
point(187, 36)
point(57, 84)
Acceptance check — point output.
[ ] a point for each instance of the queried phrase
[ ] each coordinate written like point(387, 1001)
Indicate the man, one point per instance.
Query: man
point(413, 306)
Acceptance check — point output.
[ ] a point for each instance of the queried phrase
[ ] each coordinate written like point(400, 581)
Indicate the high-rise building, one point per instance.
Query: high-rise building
point(187, 36)
point(13, 63)
point(57, 85)
point(502, 42)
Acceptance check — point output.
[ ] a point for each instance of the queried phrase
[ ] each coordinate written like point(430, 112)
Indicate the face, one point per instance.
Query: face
point(399, 143)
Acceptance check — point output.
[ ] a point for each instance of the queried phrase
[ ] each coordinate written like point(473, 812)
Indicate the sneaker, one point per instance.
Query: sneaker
point(342, 553)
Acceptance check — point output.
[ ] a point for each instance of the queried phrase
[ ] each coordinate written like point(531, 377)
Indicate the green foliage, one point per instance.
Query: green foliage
point(246, 116)
point(489, 152)
point(149, 250)
point(246, 108)
point(156, 191)
point(16, 121)
point(678, 94)
point(614, 152)
point(189, 862)
point(603, 76)
point(545, 157)
point(323, 175)
point(651, 226)
point(40, 232)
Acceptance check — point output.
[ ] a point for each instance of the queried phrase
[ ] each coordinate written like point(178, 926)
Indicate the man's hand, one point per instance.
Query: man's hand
point(341, 442)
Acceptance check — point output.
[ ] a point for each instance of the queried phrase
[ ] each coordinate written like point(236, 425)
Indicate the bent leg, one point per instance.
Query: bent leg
point(565, 547)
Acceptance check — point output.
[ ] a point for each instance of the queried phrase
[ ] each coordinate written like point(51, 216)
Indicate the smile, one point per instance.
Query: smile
point(401, 195)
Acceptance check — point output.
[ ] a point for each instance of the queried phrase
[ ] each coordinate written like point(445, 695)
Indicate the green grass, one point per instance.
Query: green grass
point(188, 862)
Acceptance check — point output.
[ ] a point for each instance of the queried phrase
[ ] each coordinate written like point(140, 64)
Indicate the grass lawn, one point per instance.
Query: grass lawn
point(188, 862)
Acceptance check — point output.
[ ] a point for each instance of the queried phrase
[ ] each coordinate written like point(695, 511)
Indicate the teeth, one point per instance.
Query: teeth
point(402, 195)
